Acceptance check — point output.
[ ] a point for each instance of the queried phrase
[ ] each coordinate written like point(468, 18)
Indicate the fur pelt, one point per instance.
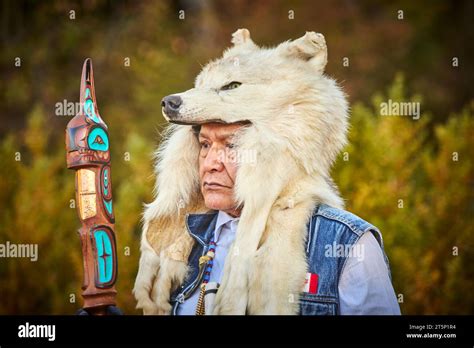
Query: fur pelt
point(298, 123)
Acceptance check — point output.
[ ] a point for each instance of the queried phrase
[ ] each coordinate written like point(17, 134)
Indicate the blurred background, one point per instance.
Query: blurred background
point(411, 178)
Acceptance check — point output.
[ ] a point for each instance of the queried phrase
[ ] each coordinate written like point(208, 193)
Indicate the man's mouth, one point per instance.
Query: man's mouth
point(212, 185)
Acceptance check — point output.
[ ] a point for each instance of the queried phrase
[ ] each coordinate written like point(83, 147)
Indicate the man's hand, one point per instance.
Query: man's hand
point(111, 310)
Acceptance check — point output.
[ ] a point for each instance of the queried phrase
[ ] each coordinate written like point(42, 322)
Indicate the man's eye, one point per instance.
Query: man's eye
point(204, 145)
point(230, 145)
point(231, 85)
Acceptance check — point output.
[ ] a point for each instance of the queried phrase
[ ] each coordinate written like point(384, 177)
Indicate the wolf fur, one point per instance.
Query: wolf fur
point(298, 122)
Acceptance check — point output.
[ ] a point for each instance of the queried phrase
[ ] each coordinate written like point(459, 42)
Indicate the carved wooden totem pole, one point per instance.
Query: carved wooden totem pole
point(88, 153)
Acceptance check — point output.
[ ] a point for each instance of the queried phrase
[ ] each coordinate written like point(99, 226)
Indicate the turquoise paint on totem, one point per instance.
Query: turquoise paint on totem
point(90, 111)
point(104, 255)
point(108, 206)
point(106, 182)
point(89, 107)
point(98, 140)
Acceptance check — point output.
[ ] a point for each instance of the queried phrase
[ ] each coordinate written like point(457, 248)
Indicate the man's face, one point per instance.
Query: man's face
point(218, 166)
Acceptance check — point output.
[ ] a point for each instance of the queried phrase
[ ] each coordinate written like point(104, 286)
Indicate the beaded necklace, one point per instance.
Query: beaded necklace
point(208, 260)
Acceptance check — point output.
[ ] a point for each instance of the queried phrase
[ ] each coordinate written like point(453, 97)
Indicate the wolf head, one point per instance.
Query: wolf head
point(251, 83)
point(296, 125)
point(281, 90)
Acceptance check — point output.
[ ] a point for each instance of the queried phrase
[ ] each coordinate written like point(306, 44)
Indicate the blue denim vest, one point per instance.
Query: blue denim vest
point(327, 225)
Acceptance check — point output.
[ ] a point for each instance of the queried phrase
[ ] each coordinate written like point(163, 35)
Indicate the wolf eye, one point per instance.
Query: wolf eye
point(231, 85)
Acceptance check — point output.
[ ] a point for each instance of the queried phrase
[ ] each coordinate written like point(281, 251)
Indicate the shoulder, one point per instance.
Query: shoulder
point(339, 218)
point(329, 224)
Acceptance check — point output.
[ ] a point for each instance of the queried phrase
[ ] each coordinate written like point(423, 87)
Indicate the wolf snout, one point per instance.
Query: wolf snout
point(171, 104)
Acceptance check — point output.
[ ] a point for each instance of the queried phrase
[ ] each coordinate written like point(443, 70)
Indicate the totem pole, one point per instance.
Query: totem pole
point(88, 153)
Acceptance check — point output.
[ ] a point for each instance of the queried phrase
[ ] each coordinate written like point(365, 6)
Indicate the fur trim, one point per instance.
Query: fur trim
point(298, 126)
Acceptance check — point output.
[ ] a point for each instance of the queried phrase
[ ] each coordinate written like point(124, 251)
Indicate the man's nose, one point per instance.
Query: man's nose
point(171, 104)
point(213, 160)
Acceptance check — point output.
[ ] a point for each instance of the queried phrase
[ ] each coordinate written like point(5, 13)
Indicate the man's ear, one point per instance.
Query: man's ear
point(311, 48)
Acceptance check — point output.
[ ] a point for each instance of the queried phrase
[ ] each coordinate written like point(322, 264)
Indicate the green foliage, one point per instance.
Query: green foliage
point(410, 184)
point(35, 195)
point(406, 178)
point(36, 210)
point(389, 158)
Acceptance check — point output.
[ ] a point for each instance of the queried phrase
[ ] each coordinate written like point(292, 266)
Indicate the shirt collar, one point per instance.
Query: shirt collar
point(222, 219)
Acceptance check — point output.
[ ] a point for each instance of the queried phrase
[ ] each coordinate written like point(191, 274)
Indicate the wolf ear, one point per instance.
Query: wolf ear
point(242, 37)
point(311, 47)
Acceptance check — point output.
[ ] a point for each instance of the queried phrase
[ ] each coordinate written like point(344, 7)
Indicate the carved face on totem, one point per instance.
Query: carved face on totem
point(87, 140)
point(87, 144)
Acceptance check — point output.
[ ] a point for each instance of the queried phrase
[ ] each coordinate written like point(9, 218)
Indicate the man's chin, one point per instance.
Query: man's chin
point(216, 201)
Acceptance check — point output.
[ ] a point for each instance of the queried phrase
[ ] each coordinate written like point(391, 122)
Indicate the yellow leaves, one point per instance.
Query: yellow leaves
point(37, 131)
point(416, 185)
point(399, 174)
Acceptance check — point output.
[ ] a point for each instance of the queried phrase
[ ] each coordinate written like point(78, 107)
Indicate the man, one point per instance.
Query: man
point(246, 219)
point(364, 285)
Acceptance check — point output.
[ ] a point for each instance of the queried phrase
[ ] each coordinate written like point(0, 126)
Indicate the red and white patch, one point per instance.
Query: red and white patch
point(311, 283)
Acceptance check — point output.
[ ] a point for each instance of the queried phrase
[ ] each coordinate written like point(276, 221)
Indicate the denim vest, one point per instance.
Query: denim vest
point(327, 226)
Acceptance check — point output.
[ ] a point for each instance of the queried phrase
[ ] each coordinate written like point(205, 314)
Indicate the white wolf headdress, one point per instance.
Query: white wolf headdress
point(298, 123)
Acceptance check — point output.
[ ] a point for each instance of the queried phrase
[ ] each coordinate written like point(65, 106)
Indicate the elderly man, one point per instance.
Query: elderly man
point(246, 219)
point(364, 286)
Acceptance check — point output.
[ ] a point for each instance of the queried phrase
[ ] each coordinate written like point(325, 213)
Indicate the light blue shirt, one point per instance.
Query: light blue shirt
point(364, 286)
point(224, 234)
